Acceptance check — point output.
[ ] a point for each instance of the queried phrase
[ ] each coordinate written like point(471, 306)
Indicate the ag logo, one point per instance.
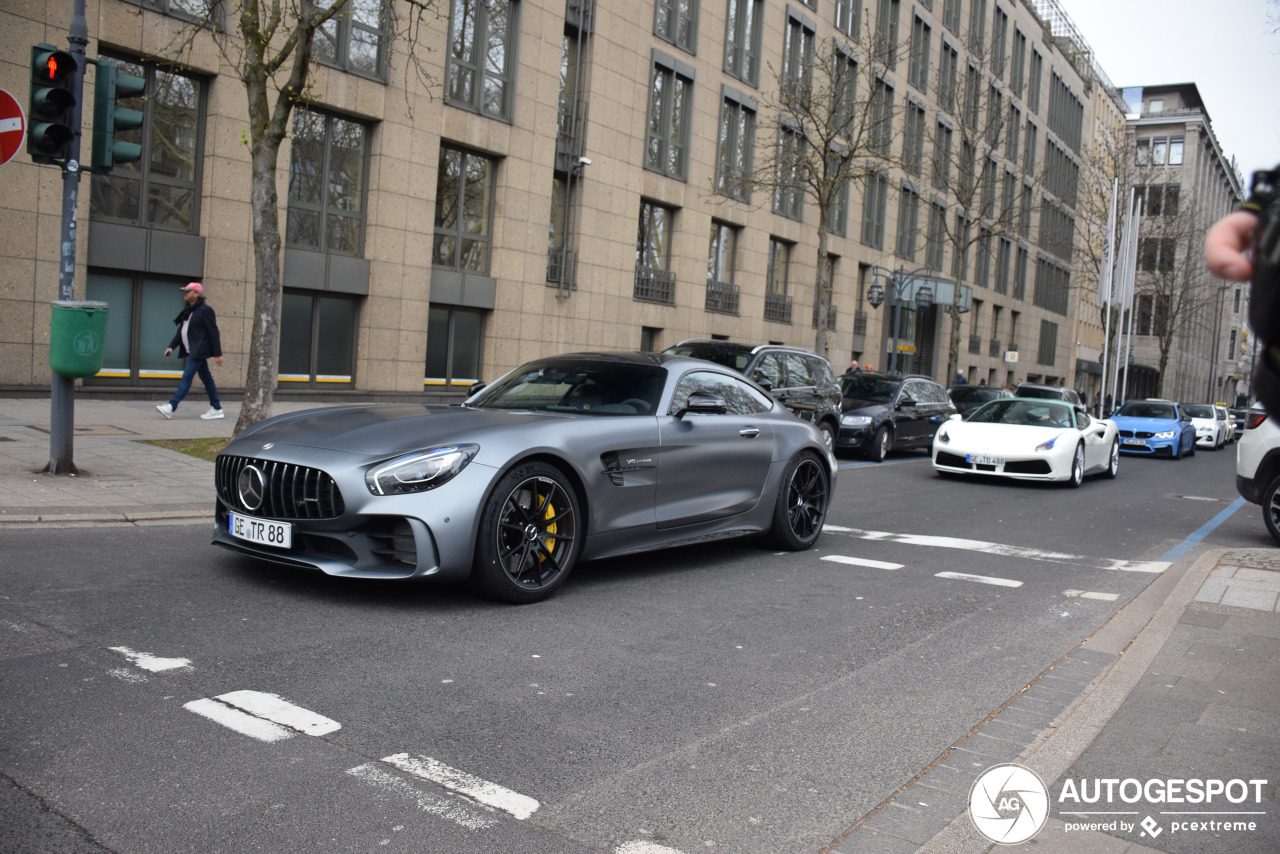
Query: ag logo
point(1008, 804)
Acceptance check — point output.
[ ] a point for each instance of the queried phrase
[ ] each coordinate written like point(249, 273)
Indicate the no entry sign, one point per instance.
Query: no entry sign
point(13, 127)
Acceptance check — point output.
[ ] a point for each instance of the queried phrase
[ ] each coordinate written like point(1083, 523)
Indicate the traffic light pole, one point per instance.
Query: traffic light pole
point(62, 393)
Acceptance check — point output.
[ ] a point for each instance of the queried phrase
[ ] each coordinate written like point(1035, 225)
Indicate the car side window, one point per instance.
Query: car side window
point(739, 397)
point(822, 370)
point(798, 372)
point(770, 369)
point(910, 390)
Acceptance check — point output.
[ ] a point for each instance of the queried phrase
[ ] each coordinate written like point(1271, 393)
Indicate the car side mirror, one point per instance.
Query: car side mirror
point(764, 383)
point(906, 401)
point(955, 416)
point(704, 403)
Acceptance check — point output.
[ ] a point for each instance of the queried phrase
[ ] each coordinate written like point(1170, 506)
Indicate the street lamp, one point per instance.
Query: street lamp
point(898, 280)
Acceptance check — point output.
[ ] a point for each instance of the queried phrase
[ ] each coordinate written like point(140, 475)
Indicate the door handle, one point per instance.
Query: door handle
point(749, 432)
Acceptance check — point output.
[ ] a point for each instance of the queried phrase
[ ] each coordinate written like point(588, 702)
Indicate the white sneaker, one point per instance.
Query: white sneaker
point(213, 413)
point(166, 410)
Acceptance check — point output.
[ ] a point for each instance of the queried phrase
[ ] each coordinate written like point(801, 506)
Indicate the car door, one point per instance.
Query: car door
point(802, 392)
point(770, 371)
point(713, 465)
point(1097, 450)
point(909, 414)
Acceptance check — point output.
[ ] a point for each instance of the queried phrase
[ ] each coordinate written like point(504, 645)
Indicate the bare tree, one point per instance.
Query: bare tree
point(828, 126)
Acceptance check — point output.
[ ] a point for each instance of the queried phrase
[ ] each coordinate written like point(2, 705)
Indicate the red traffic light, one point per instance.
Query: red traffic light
point(54, 66)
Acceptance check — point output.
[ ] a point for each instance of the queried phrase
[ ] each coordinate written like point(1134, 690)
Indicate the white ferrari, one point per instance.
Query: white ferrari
point(1028, 439)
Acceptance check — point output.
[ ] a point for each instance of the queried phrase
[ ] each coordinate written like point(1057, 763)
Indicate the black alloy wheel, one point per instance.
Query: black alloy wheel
point(802, 503)
point(1271, 508)
point(528, 540)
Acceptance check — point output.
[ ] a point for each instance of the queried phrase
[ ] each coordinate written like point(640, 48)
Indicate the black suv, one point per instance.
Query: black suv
point(886, 411)
point(969, 397)
point(799, 379)
point(1048, 392)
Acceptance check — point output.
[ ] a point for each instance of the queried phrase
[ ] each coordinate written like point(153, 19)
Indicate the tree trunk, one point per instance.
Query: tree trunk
point(822, 296)
point(953, 350)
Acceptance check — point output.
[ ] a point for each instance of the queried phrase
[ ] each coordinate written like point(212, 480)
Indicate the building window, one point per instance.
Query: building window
point(676, 21)
point(942, 156)
point(1020, 274)
point(722, 293)
point(982, 259)
point(951, 15)
point(454, 339)
point(887, 14)
point(777, 303)
point(1048, 342)
point(1004, 260)
point(848, 16)
point(1175, 151)
point(873, 205)
point(670, 105)
point(481, 69)
point(560, 258)
point(317, 337)
point(735, 158)
point(1024, 212)
point(788, 196)
point(162, 189)
point(1029, 153)
point(972, 97)
point(918, 72)
point(797, 60)
point(995, 110)
point(464, 211)
point(947, 77)
point(838, 214)
point(1009, 196)
point(935, 245)
point(989, 187)
point(977, 25)
point(654, 280)
point(913, 139)
point(356, 39)
point(844, 93)
point(207, 12)
point(908, 223)
point(880, 134)
point(960, 257)
point(1033, 81)
point(1156, 254)
point(1013, 133)
point(742, 40)
point(999, 42)
point(1018, 65)
point(328, 179)
point(139, 326)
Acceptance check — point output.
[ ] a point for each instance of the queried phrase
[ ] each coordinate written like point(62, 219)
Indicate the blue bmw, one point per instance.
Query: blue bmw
point(1157, 427)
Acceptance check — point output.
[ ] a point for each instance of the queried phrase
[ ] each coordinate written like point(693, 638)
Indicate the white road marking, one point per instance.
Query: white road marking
point(1083, 594)
point(273, 708)
point(1151, 566)
point(642, 847)
point(238, 720)
point(862, 561)
point(147, 661)
point(489, 794)
point(981, 579)
point(455, 811)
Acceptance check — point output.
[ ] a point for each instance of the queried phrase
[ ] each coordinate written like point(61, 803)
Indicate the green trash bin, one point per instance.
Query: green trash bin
point(77, 337)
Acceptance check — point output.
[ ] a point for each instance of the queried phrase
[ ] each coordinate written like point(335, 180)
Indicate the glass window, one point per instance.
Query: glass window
point(948, 70)
point(742, 40)
point(327, 183)
point(653, 249)
point(908, 223)
point(844, 94)
point(770, 370)
point(1033, 81)
point(676, 21)
point(942, 156)
point(935, 246)
point(356, 39)
point(739, 398)
point(481, 56)
point(454, 339)
point(735, 156)
point(838, 214)
point(317, 337)
point(788, 198)
point(162, 189)
point(721, 259)
point(951, 15)
point(464, 211)
point(887, 14)
point(779, 272)
point(913, 138)
point(848, 16)
point(797, 61)
point(880, 133)
point(876, 189)
point(918, 73)
point(1159, 151)
point(140, 326)
point(667, 137)
point(212, 12)
point(1175, 151)
point(977, 25)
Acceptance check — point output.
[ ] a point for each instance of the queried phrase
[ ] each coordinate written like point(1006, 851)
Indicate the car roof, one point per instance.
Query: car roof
point(736, 347)
point(1045, 387)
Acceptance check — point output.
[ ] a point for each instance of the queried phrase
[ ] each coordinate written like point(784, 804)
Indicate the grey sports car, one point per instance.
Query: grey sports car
point(569, 458)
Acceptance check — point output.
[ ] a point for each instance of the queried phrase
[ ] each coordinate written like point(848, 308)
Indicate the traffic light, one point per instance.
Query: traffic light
point(110, 119)
point(52, 106)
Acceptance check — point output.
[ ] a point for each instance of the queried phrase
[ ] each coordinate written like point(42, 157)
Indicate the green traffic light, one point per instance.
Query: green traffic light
point(110, 119)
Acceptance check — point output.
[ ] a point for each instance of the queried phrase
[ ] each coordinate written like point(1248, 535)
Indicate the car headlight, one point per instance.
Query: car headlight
point(1047, 446)
point(942, 436)
point(419, 471)
point(1168, 434)
point(856, 420)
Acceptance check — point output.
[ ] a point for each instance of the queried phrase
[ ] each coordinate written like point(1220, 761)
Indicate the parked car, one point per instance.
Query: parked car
point(887, 411)
point(799, 379)
point(1210, 425)
point(1240, 416)
point(1157, 427)
point(1258, 466)
point(1047, 392)
point(969, 397)
point(1028, 439)
point(1229, 419)
point(563, 459)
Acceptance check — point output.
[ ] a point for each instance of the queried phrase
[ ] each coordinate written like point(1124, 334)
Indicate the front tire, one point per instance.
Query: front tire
point(1271, 508)
point(1113, 463)
point(1077, 468)
point(801, 505)
point(880, 444)
point(828, 436)
point(529, 535)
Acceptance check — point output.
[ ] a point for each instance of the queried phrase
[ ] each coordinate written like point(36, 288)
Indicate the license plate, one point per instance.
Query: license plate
point(264, 532)
point(1141, 442)
point(984, 460)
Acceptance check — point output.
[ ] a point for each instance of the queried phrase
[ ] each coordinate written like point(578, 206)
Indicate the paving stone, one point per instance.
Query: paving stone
point(865, 840)
point(918, 827)
point(1208, 619)
point(939, 802)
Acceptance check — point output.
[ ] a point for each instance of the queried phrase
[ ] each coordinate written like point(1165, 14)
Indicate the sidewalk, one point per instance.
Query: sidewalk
point(1182, 683)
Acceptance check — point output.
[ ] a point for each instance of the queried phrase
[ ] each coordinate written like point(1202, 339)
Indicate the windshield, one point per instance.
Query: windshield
point(870, 388)
point(1198, 410)
point(1040, 393)
point(973, 393)
point(1143, 409)
point(587, 387)
point(1023, 412)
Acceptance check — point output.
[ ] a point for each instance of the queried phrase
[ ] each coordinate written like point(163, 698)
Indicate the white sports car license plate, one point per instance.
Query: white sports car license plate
point(984, 460)
point(1142, 442)
point(264, 532)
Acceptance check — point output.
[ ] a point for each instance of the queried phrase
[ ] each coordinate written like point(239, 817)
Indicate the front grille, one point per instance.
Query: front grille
point(1027, 467)
point(952, 460)
point(292, 492)
point(1129, 434)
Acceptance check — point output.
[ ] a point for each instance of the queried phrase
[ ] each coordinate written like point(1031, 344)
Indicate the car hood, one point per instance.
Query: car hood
point(1146, 425)
point(385, 429)
point(854, 404)
point(1204, 422)
point(997, 438)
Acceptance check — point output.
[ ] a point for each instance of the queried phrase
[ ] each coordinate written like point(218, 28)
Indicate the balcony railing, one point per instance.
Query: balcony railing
point(995, 348)
point(654, 285)
point(859, 322)
point(777, 307)
point(722, 297)
point(831, 317)
point(560, 266)
point(975, 345)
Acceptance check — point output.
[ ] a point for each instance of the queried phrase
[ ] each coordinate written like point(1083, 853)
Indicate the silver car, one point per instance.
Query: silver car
point(569, 458)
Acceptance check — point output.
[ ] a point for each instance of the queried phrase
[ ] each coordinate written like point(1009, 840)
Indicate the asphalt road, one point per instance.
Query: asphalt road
point(716, 698)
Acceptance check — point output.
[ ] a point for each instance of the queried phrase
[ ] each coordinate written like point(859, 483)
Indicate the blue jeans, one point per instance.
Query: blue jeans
point(193, 367)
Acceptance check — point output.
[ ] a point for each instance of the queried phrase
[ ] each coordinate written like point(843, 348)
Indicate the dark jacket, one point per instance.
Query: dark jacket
point(202, 333)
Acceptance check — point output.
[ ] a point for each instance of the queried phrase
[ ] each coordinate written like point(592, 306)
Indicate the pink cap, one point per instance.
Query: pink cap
point(195, 286)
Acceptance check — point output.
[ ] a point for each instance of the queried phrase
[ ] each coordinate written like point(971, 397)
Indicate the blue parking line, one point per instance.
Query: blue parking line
point(1194, 540)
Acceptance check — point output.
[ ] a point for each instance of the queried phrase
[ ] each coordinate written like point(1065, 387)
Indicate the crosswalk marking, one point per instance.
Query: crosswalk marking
point(862, 561)
point(981, 579)
point(1084, 594)
point(234, 719)
point(1083, 562)
point(148, 661)
point(273, 708)
point(452, 809)
point(489, 794)
point(642, 847)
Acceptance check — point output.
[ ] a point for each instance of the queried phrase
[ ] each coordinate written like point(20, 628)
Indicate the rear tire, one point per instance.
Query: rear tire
point(801, 504)
point(881, 442)
point(1271, 508)
point(1113, 464)
point(828, 436)
point(1077, 468)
